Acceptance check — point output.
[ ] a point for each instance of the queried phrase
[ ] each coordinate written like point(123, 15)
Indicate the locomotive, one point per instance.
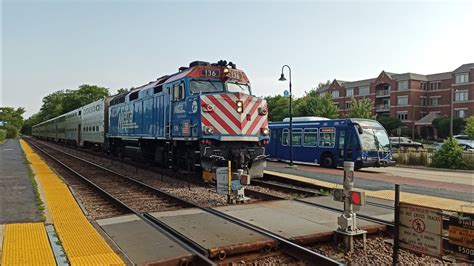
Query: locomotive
point(197, 119)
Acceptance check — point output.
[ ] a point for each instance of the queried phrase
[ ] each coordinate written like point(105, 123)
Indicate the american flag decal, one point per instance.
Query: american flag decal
point(224, 117)
point(185, 129)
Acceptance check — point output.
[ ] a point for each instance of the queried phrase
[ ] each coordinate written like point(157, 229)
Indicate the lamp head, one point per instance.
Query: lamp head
point(282, 77)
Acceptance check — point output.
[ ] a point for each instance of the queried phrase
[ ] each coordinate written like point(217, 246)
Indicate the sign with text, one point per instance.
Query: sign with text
point(461, 235)
point(421, 229)
point(222, 180)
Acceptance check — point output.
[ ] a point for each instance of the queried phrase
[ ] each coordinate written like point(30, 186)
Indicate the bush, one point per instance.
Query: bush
point(449, 156)
point(3, 134)
point(12, 131)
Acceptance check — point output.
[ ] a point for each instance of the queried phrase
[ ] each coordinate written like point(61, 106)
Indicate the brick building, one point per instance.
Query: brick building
point(414, 98)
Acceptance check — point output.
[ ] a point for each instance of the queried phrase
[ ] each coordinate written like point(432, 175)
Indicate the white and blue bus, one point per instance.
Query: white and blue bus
point(330, 142)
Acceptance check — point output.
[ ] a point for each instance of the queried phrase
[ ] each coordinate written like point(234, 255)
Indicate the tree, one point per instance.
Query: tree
point(389, 123)
point(321, 105)
point(449, 156)
point(12, 116)
point(442, 125)
point(278, 107)
point(122, 90)
point(361, 109)
point(469, 130)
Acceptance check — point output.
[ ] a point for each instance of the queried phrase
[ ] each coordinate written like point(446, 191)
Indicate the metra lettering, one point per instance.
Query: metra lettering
point(125, 120)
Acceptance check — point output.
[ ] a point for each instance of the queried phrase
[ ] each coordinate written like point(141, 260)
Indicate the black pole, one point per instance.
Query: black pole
point(396, 240)
point(291, 124)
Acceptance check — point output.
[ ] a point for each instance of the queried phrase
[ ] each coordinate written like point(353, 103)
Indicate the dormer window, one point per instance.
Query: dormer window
point(462, 78)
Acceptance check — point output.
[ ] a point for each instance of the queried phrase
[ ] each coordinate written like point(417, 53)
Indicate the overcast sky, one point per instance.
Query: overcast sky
point(53, 45)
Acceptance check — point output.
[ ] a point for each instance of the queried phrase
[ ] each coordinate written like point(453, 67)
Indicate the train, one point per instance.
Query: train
point(199, 119)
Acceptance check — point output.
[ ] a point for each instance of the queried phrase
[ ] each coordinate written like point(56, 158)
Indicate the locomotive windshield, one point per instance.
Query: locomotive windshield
point(236, 87)
point(206, 86)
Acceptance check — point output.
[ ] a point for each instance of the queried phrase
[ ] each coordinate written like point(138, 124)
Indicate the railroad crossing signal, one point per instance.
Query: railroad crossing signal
point(355, 197)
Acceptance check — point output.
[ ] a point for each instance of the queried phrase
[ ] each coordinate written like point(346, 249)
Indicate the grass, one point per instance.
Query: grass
point(39, 201)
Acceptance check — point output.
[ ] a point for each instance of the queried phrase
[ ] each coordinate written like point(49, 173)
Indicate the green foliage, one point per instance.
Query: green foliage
point(469, 130)
point(449, 156)
point(361, 109)
point(442, 125)
point(278, 107)
point(320, 105)
point(12, 131)
point(12, 116)
point(63, 101)
point(389, 123)
point(3, 135)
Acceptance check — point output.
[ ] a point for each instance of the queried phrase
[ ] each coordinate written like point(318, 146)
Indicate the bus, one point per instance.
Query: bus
point(330, 142)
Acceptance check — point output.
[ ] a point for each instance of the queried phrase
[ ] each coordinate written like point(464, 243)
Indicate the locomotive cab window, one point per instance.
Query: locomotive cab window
point(206, 86)
point(236, 87)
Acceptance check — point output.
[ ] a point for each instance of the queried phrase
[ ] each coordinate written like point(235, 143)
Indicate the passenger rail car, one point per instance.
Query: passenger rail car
point(198, 118)
point(331, 142)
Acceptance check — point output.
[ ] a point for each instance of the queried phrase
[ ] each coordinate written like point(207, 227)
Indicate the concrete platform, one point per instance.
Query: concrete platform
point(215, 234)
point(291, 219)
point(17, 197)
point(141, 243)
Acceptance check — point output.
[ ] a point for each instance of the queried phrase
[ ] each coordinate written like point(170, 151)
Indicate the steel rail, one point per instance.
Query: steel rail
point(196, 250)
point(289, 247)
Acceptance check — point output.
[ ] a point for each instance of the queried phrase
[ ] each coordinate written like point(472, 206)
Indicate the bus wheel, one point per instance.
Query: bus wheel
point(327, 160)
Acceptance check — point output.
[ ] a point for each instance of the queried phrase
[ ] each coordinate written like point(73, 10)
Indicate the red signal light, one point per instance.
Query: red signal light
point(358, 198)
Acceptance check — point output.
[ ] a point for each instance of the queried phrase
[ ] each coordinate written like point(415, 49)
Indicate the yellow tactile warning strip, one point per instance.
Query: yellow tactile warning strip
point(81, 242)
point(422, 200)
point(26, 244)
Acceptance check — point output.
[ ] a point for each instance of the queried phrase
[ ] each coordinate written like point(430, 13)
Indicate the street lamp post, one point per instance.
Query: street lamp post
point(452, 113)
point(282, 78)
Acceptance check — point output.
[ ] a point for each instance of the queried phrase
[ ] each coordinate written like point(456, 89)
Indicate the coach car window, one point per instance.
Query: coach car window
point(310, 137)
point(205, 86)
point(297, 136)
point(284, 139)
point(327, 137)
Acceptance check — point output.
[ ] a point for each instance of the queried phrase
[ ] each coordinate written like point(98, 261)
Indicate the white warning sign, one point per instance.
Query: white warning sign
point(421, 229)
point(222, 180)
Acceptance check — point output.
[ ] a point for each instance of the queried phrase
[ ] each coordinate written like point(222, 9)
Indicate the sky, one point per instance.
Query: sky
point(54, 45)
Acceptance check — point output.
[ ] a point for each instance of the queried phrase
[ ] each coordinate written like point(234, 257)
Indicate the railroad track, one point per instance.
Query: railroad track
point(101, 183)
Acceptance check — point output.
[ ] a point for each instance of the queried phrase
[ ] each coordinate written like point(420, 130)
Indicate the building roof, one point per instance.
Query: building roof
point(359, 83)
point(407, 76)
point(464, 68)
point(427, 119)
point(440, 76)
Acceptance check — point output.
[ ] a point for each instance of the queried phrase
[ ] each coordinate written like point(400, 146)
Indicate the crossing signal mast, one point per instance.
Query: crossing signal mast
point(352, 199)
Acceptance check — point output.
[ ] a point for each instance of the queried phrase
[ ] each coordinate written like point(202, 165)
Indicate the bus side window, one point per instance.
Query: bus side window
point(284, 140)
point(296, 136)
point(310, 137)
point(327, 137)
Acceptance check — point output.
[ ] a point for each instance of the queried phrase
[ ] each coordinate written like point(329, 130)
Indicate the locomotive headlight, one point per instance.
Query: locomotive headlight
point(265, 131)
point(262, 111)
point(240, 106)
point(208, 130)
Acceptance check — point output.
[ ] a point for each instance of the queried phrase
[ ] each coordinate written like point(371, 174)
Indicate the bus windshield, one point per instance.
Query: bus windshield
point(374, 139)
point(205, 86)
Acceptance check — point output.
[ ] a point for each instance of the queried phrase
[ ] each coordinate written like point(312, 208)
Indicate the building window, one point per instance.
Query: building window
point(423, 101)
point(460, 113)
point(335, 94)
point(403, 85)
point(424, 85)
point(462, 78)
point(461, 96)
point(349, 92)
point(403, 116)
point(336, 104)
point(434, 101)
point(364, 90)
point(435, 85)
point(348, 105)
point(402, 100)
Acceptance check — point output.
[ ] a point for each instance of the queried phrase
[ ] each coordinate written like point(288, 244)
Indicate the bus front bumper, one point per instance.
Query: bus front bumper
point(377, 163)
